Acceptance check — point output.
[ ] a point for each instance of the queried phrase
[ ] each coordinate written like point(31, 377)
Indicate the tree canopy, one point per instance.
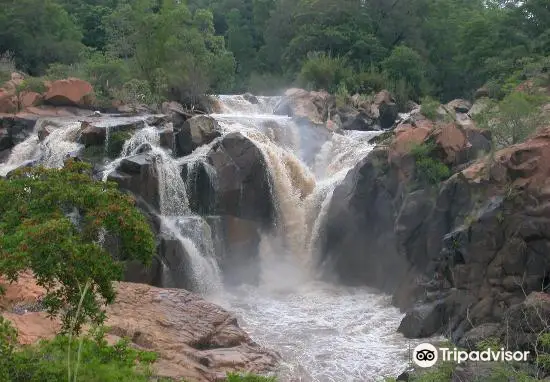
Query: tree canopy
point(181, 48)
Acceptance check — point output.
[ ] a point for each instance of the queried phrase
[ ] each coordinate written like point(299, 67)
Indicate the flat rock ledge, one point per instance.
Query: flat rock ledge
point(196, 340)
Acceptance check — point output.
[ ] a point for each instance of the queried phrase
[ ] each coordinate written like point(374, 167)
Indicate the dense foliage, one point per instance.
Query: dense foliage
point(54, 222)
point(94, 360)
point(177, 49)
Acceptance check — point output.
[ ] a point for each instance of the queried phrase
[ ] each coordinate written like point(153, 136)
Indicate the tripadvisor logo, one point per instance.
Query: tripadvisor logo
point(426, 355)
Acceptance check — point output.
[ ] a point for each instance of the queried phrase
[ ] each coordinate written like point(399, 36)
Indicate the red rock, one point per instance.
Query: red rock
point(196, 340)
point(29, 99)
point(8, 102)
point(69, 92)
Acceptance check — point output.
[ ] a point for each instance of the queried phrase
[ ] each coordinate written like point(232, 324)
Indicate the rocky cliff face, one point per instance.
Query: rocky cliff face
point(461, 256)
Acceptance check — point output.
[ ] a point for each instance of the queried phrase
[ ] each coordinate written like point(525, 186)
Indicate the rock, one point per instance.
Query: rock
point(195, 132)
point(44, 131)
point(240, 262)
point(28, 99)
point(424, 321)
point(526, 320)
point(300, 103)
point(459, 106)
point(196, 340)
point(243, 181)
point(362, 122)
point(385, 109)
point(482, 92)
point(473, 337)
point(8, 102)
point(137, 174)
point(251, 98)
point(94, 134)
point(167, 138)
point(69, 92)
point(14, 129)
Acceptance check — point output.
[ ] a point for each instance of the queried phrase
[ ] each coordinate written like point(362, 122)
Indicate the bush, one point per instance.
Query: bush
point(429, 171)
point(116, 142)
point(7, 66)
point(136, 92)
point(321, 71)
point(367, 82)
point(90, 360)
point(233, 377)
point(404, 69)
point(513, 119)
point(266, 84)
point(429, 108)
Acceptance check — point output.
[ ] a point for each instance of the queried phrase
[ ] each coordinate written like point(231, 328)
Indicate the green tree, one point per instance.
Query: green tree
point(54, 221)
point(406, 66)
point(38, 33)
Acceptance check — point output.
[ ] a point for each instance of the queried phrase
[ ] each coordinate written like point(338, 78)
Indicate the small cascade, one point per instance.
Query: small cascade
point(51, 152)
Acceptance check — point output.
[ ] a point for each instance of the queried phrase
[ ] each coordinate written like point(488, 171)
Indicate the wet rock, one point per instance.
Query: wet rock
point(250, 98)
point(15, 129)
point(95, 134)
point(195, 132)
point(167, 138)
point(69, 92)
point(243, 187)
point(424, 321)
point(138, 175)
point(240, 262)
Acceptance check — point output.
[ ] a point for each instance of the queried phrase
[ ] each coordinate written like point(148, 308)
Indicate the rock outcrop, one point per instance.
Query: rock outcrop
point(314, 106)
point(69, 92)
point(243, 184)
point(462, 254)
point(195, 340)
point(194, 132)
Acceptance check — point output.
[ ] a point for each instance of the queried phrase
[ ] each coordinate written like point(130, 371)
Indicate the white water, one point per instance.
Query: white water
point(324, 332)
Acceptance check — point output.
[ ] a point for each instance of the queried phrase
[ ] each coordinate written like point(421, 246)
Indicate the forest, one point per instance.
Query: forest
point(174, 49)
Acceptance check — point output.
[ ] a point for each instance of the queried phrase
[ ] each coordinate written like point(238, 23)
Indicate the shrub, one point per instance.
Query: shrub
point(7, 66)
point(429, 108)
point(53, 217)
point(513, 119)
point(234, 377)
point(136, 92)
point(405, 69)
point(266, 84)
point(116, 142)
point(429, 171)
point(95, 361)
point(321, 71)
point(367, 82)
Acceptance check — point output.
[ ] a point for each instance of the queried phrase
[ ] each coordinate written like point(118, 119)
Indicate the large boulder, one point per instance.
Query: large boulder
point(300, 103)
point(14, 129)
point(195, 340)
point(243, 181)
point(95, 134)
point(138, 175)
point(195, 132)
point(69, 92)
point(375, 114)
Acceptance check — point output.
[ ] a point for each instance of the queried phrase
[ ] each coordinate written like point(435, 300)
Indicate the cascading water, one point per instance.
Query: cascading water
point(325, 332)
